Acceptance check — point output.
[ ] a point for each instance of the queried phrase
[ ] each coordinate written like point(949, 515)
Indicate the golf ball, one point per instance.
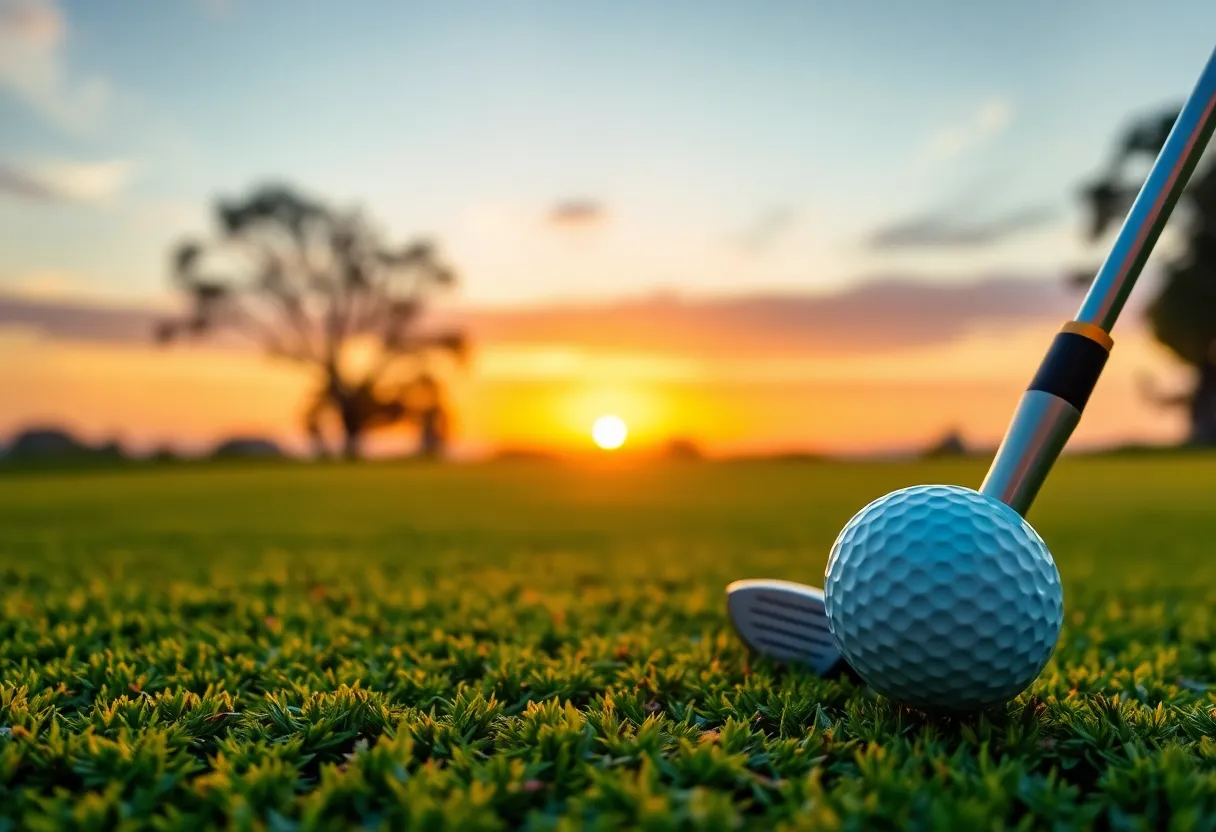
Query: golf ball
point(943, 598)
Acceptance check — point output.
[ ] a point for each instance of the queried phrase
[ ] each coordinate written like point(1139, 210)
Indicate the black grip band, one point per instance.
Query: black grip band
point(1071, 368)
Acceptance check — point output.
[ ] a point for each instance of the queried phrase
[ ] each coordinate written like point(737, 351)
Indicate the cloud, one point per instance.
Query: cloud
point(877, 316)
point(991, 119)
point(76, 320)
point(32, 33)
point(216, 9)
point(32, 21)
point(577, 213)
point(16, 183)
point(84, 180)
point(768, 228)
point(949, 230)
point(45, 286)
point(54, 287)
point(61, 180)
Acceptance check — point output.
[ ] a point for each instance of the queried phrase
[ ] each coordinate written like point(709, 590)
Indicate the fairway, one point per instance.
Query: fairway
point(544, 646)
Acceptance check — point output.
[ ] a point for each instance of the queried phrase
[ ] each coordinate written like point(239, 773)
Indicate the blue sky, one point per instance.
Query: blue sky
point(729, 149)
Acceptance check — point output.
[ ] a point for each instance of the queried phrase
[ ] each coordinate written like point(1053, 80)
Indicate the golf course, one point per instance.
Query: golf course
point(545, 646)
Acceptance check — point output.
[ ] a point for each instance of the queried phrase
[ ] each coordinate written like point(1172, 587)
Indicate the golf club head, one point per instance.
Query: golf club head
point(786, 621)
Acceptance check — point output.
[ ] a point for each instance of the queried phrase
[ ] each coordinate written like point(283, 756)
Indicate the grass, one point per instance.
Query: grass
point(538, 647)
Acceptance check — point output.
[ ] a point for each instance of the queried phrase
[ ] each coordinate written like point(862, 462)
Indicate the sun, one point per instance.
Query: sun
point(609, 432)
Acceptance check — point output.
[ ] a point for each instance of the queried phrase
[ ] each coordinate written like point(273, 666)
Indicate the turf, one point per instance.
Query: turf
point(543, 647)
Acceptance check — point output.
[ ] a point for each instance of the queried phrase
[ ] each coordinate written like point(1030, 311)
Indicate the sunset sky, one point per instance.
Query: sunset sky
point(818, 226)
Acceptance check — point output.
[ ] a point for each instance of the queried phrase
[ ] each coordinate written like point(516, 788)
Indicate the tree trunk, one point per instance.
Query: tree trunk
point(346, 405)
point(432, 433)
point(353, 428)
point(1203, 407)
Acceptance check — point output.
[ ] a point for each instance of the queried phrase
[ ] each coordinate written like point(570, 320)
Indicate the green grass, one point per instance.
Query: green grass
point(530, 646)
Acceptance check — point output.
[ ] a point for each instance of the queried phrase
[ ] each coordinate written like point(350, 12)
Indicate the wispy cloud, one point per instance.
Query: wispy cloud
point(214, 9)
point(989, 120)
point(577, 213)
point(32, 67)
point(877, 315)
point(873, 317)
point(970, 218)
point(84, 180)
point(217, 10)
point(47, 286)
point(18, 183)
point(37, 310)
point(65, 180)
point(768, 227)
point(951, 230)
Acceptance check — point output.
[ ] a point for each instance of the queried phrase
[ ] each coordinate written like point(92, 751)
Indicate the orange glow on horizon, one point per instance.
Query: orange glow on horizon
point(545, 397)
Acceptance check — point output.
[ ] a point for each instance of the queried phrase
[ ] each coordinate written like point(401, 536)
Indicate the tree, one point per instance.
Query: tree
point(319, 287)
point(1182, 316)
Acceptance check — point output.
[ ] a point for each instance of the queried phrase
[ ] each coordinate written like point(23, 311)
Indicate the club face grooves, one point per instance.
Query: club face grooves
point(809, 608)
point(816, 623)
point(787, 632)
point(781, 649)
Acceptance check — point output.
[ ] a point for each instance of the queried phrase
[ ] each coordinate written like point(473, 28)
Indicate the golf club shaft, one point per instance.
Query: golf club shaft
point(1051, 407)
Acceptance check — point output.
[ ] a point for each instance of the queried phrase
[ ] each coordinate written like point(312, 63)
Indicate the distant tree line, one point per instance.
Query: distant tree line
point(42, 445)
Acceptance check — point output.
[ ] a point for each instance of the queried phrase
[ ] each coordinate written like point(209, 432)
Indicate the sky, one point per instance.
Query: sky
point(729, 165)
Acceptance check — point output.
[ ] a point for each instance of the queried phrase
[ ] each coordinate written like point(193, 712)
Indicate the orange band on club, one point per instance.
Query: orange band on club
point(1090, 331)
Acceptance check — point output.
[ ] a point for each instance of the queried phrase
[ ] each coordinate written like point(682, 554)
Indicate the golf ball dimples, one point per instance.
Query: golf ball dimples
point(943, 599)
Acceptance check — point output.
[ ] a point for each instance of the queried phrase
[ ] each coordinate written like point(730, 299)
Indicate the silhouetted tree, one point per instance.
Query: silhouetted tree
point(1183, 314)
point(951, 444)
point(320, 287)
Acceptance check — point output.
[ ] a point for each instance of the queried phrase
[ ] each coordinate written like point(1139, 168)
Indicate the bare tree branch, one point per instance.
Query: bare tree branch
point(308, 280)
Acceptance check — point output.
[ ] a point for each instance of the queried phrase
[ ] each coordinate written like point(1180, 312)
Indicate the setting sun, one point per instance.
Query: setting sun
point(609, 432)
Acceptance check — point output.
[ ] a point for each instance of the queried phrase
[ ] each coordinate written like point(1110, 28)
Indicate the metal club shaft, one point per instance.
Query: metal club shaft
point(1051, 407)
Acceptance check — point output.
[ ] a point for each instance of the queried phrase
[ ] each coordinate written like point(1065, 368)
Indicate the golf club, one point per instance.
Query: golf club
point(784, 620)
